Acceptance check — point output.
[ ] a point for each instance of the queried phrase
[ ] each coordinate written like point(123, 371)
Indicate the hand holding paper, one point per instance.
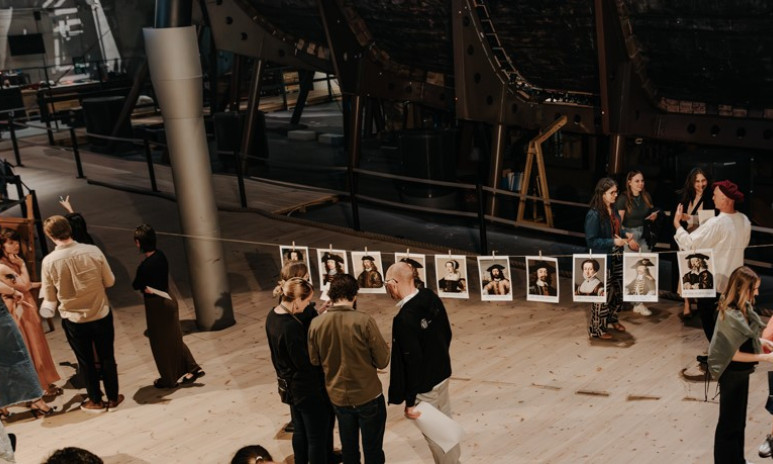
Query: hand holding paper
point(441, 429)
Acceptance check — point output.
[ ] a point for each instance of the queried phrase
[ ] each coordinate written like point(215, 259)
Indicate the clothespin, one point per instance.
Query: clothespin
point(366, 250)
point(449, 252)
point(540, 254)
point(408, 252)
point(331, 247)
point(493, 252)
point(293, 245)
point(590, 250)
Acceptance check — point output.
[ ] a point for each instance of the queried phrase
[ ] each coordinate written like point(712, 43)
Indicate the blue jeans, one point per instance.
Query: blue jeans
point(368, 418)
point(313, 434)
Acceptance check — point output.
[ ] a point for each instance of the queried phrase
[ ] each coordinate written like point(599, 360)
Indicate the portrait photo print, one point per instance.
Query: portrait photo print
point(289, 253)
point(542, 279)
point(589, 277)
point(640, 277)
point(368, 269)
point(451, 276)
point(696, 273)
point(419, 265)
point(331, 263)
point(495, 281)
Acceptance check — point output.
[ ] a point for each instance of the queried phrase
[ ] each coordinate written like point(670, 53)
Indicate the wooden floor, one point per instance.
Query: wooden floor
point(528, 386)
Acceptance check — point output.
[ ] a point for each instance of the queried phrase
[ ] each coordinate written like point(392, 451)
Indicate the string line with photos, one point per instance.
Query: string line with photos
point(641, 282)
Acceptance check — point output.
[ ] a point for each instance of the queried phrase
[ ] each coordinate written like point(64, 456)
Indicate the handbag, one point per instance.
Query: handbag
point(283, 387)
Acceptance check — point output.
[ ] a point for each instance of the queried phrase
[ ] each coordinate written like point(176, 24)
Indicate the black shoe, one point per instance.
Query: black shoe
point(703, 359)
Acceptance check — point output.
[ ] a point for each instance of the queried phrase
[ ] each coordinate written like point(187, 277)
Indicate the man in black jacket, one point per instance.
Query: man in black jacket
point(421, 363)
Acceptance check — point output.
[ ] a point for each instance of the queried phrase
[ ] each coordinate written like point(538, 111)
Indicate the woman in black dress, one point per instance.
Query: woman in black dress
point(301, 384)
point(172, 356)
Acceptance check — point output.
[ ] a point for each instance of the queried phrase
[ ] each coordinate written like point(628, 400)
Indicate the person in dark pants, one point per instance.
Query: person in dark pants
point(734, 351)
point(172, 356)
point(350, 348)
point(301, 384)
point(74, 278)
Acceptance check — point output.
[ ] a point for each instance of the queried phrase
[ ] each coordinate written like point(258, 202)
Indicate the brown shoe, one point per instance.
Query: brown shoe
point(112, 405)
point(92, 407)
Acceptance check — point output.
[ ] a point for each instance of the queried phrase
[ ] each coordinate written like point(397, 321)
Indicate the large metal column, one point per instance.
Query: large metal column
point(175, 69)
point(354, 139)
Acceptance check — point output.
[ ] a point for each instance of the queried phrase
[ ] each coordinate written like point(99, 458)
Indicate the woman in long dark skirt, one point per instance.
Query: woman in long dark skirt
point(173, 358)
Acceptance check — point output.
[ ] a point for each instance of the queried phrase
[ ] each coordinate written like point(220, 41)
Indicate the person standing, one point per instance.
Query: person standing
point(74, 278)
point(635, 209)
point(736, 347)
point(728, 234)
point(25, 313)
point(348, 345)
point(421, 362)
point(603, 230)
point(174, 360)
point(694, 199)
point(301, 384)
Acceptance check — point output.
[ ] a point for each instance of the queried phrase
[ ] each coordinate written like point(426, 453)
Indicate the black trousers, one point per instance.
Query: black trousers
point(733, 399)
point(84, 339)
point(707, 310)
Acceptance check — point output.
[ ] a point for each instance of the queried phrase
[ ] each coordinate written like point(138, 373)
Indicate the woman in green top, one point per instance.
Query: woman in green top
point(635, 207)
point(736, 347)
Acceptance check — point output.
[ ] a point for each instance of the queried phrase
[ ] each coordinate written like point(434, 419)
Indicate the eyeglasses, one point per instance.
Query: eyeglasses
point(391, 281)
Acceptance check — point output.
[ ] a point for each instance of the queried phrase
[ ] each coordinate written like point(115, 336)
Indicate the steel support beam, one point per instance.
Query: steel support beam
point(252, 112)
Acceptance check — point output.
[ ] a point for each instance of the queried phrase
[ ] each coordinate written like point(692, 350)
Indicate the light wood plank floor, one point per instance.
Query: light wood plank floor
point(528, 386)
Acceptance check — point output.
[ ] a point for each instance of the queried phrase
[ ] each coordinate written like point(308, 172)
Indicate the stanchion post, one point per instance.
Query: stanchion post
point(482, 219)
point(76, 153)
point(14, 142)
point(149, 158)
point(39, 223)
point(240, 179)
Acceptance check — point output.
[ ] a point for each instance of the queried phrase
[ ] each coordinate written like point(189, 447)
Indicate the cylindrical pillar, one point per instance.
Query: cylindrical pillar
point(175, 70)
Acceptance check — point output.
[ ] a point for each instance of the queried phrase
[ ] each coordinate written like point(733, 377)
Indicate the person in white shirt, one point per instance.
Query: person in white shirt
point(727, 234)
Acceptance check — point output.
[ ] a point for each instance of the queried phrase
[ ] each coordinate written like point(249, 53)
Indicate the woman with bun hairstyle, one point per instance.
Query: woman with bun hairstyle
point(301, 385)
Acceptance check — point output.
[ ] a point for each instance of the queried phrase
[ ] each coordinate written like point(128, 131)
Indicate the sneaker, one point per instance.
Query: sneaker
point(641, 309)
point(92, 407)
point(112, 405)
point(765, 447)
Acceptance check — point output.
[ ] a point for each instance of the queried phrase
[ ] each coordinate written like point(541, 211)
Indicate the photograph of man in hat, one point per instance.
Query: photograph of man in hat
point(589, 273)
point(696, 274)
point(541, 273)
point(639, 271)
point(366, 267)
point(416, 262)
point(451, 271)
point(495, 278)
point(331, 264)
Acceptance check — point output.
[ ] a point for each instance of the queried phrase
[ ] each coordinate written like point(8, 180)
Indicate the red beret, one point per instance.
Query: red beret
point(730, 190)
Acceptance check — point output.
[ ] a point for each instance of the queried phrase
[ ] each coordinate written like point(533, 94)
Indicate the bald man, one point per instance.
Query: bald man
point(421, 363)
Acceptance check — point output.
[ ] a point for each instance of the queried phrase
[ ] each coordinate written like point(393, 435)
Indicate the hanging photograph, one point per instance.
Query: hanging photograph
point(368, 269)
point(640, 277)
point(589, 275)
point(331, 263)
point(289, 253)
point(495, 282)
point(696, 271)
point(418, 263)
point(451, 272)
point(542, 279)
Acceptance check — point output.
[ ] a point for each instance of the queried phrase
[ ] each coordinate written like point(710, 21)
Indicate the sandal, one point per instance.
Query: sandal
point(195, 375)
point(53, 391)
point(618, 326)
point(38, 411)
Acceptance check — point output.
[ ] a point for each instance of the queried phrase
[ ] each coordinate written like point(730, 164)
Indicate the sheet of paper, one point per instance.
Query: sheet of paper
point(160, 293)
point(704, 215)
point(443, 430)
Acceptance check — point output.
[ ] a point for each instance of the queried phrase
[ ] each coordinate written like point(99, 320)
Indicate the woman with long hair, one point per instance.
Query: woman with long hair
point(604, 233)
point(736, 347)
point(174, 360)
point(694, 198)
point(301, 384)
point(14, 271)
point(635, 209)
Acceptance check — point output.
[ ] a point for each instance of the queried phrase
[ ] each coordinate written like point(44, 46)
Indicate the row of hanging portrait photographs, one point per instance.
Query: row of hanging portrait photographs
point(589, 274)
